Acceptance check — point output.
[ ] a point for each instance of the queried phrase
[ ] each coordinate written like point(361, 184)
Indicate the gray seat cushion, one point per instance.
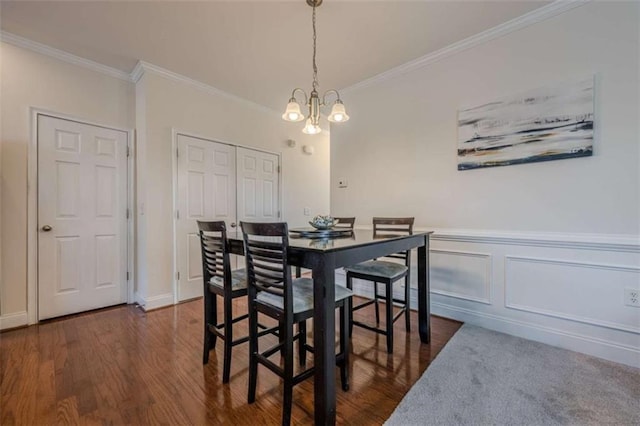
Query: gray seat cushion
point(238, 280)
point(379, 268)
point(302, 296)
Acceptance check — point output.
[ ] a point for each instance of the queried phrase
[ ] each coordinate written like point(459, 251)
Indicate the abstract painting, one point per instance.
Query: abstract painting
point(545, 124)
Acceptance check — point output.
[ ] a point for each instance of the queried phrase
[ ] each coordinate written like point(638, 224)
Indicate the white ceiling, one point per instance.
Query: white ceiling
point(258, 50)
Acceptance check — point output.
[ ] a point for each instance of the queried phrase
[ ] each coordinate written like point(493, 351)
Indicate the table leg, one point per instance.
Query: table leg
point(324, 332)
point(424, 305)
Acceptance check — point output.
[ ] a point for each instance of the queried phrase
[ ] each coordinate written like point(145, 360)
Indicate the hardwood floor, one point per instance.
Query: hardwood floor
point(124, 366)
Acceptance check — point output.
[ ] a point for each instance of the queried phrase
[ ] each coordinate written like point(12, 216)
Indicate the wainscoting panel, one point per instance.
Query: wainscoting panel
point(584, 292)
point(563, 290)
point(460, 274)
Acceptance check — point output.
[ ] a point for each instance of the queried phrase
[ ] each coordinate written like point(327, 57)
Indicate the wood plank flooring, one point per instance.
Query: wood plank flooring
point(124, 366)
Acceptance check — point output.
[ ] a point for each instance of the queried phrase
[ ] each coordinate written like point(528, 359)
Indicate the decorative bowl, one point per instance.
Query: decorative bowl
point(323, 222)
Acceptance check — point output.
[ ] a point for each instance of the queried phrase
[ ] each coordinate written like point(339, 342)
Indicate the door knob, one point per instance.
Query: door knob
point(234, 225)
point(46, 228)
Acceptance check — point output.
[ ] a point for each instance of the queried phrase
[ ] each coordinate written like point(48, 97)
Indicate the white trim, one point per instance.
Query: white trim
point(533, 17)
point(561, 315)
point(17, 319)
point(137, 72)
point(487, 277)
point(32, 208)
point(131, 220)
point(601, 242)
point(174, 203)
point(156, 302)
point(62, 55)
point(32, 219)
point(143, 67)
point(138, 300)
point(613, 351)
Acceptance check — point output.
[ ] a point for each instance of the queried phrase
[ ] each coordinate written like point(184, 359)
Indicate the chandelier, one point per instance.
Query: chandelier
point(293, 113)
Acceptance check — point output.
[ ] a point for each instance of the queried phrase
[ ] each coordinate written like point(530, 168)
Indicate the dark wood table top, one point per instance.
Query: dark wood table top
point(359, 238)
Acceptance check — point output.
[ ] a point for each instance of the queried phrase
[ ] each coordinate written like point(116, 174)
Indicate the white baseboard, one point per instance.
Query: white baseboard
point(154, 302)
point(14, 320)
point(611, 351)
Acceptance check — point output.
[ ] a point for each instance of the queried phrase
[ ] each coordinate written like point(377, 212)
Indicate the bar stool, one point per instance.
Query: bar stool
point(274, 293)
point(387, 273)
point(220, 280)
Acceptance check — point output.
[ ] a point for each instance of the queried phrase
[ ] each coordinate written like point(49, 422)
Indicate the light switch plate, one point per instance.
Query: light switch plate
point(342, 183)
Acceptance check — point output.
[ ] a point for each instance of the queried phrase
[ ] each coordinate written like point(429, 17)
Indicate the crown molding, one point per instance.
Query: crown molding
point(533, 17)
point(62, 55)
point(135, 75)
point(137, 72)
point(143, 67)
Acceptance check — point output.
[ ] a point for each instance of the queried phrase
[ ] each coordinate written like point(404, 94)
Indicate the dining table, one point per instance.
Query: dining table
point(323, 256)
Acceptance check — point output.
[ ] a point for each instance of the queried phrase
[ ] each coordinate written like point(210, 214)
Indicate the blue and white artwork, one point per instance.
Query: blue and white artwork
point(552, 123)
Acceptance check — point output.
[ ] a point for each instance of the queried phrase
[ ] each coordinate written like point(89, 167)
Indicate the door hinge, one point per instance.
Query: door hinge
point(278, 169)
point(278, 213)
point(127, 213)
point(127, 275)
point(128, 151)
point(177, 214)
point(178, 276)
point(177, 153)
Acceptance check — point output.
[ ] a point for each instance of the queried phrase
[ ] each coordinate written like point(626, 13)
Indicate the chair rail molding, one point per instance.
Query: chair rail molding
point(622, 243)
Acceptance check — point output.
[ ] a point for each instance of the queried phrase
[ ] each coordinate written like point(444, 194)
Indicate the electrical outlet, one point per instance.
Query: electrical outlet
point(307, 211)
point(342, 183)
point(632, 297)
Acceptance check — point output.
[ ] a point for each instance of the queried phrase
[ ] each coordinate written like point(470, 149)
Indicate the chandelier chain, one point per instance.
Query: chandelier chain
point(315, 67)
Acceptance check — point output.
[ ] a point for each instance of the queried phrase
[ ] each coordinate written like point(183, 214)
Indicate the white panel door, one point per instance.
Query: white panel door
point(206, 191)
point(258, 186)
point(82, 224)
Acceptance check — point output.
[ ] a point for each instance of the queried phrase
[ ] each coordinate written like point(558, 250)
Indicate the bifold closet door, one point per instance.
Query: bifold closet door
point(206, 191)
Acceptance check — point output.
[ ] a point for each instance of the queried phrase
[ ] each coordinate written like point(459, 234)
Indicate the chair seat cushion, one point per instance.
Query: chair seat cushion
point(302, 296)
point(238, 280)
point(379, 268)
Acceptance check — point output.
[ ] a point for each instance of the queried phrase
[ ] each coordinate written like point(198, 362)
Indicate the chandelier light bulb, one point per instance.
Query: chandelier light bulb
point(310, 128)
point(292, 113)
point(338, 113)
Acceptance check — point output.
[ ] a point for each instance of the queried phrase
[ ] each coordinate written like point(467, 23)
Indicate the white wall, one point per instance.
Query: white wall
point(541, 250)
point(169, 103)
point(30, 79)
point(154, 106)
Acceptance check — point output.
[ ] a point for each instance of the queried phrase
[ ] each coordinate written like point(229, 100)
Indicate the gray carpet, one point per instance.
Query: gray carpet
point(482, 377)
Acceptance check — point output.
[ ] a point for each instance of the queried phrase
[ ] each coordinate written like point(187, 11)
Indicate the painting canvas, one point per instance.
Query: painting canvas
point(545, 124)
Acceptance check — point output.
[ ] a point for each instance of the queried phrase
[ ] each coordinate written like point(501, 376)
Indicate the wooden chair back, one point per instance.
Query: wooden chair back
point(389, 226)
point(266, 248)
point(215, 252)
point(345, 222)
